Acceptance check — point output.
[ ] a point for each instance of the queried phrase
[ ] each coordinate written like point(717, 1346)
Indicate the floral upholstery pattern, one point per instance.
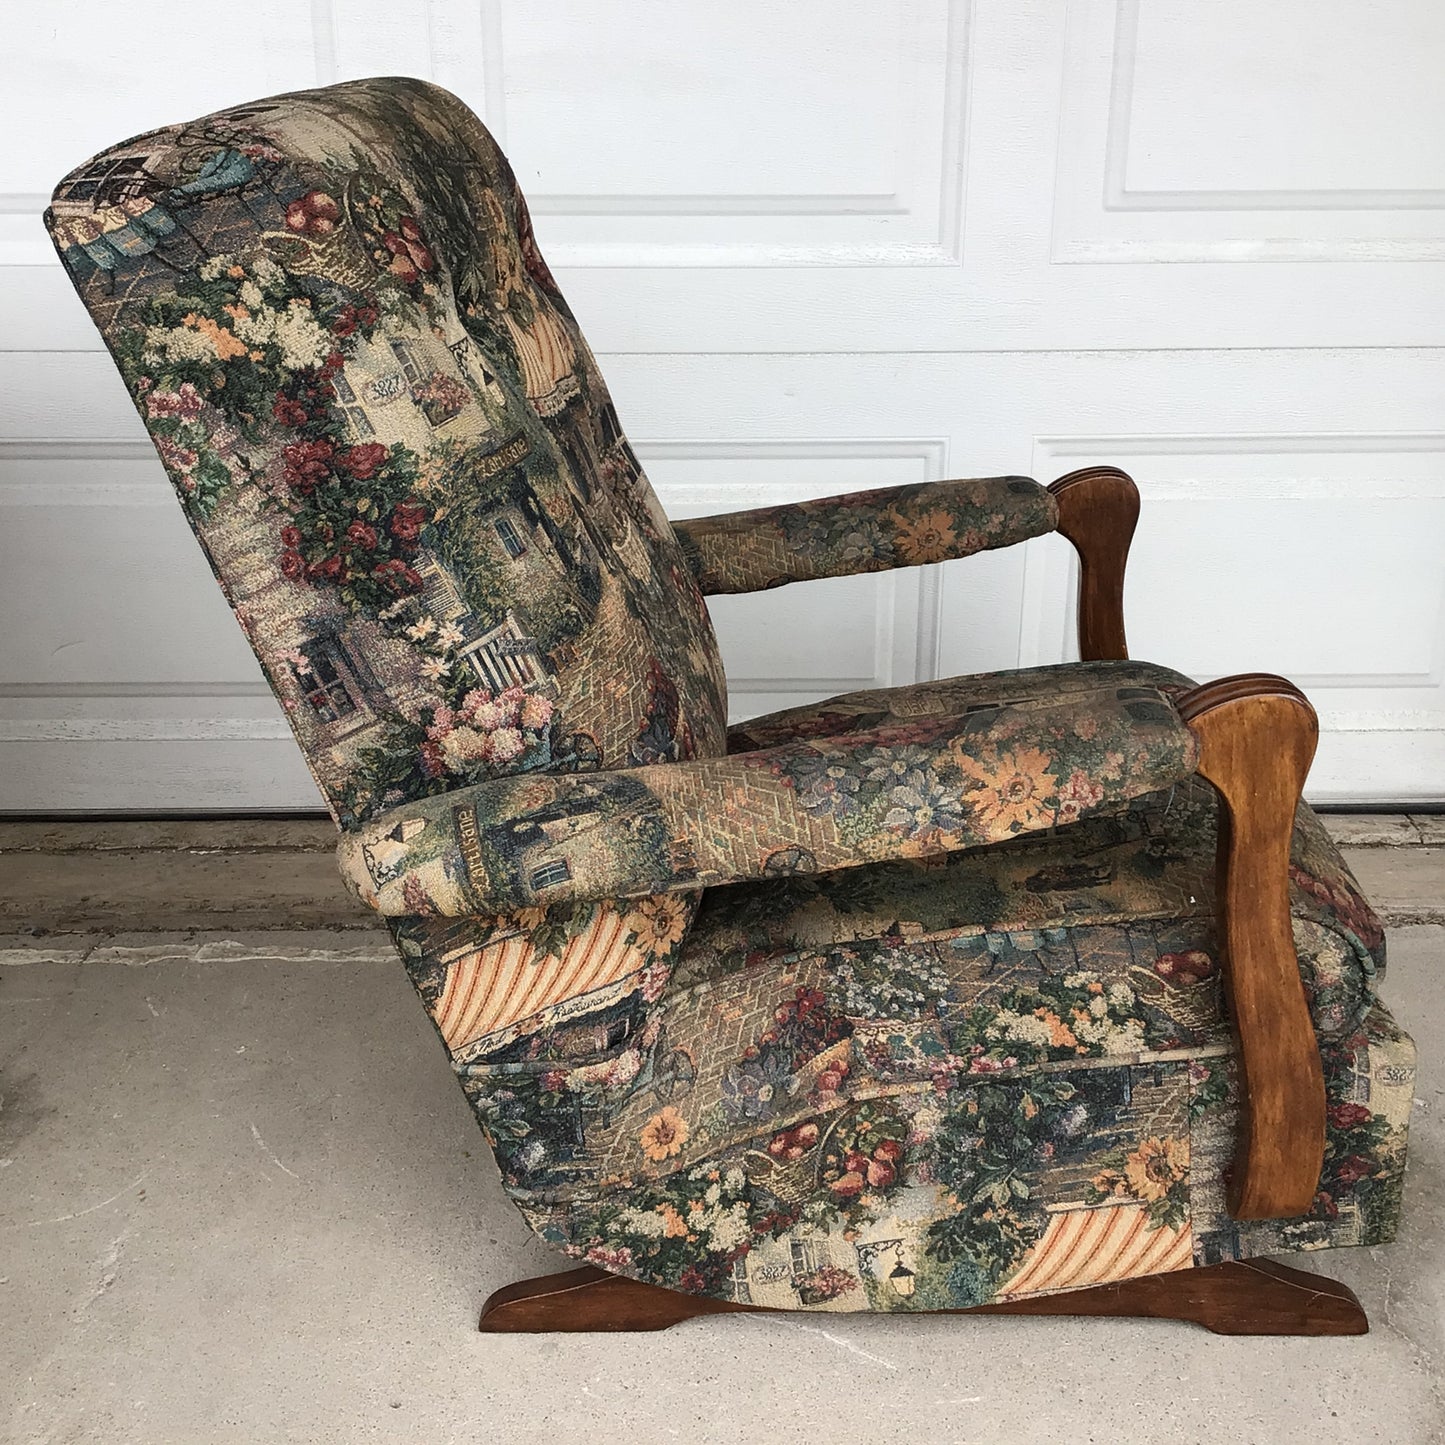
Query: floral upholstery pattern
point(863, 532)
point(905, 789)
point(393, 442)
point(395, 446)
point(1001, 1071)
point(906, 999)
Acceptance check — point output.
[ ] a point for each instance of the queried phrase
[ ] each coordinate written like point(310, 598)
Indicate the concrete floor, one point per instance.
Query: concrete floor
point(242, 1200)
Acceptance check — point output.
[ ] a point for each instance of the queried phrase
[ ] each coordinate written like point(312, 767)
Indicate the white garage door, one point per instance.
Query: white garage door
point(820, 246)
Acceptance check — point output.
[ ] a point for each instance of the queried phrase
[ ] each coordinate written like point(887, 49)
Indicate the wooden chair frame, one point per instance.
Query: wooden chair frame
point(1257, 735)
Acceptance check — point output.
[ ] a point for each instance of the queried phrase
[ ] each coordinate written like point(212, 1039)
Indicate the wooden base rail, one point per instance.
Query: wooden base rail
point(1098, 511)
point(1255, 1298)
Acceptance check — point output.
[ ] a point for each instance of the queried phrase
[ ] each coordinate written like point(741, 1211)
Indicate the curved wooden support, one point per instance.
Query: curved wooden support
point(1253, 1298)
point(1098, 510)
point(1257, 736)
point(590, 1299)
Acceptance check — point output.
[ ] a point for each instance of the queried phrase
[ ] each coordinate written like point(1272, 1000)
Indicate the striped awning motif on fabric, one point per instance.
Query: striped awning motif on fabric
point(1097, 1246)
point(489, 991)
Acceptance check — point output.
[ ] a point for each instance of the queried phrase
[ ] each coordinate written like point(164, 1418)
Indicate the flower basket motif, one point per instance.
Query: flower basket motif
point(440, 397)
point(338, 257)
point(1192, 999)
point(790, 1181)
point(321, 239)
point(825, 1283)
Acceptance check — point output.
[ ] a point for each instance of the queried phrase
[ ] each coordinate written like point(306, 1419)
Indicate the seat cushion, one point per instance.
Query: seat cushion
point(1004, 1073)
point(951, 696)
point(1135, 888)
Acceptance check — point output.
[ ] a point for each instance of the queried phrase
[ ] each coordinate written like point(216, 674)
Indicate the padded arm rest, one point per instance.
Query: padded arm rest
point(863, 532)
point(902, 791)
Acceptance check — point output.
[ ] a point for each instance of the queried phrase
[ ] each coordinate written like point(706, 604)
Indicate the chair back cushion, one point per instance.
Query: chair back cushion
point(393, 442)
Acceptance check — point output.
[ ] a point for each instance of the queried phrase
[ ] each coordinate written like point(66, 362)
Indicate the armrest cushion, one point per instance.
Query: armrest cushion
point(904, 791)
point(871, 531)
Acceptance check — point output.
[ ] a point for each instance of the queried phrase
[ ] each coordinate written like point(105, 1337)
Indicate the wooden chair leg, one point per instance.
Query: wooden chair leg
point(1098, 510)
point(1257, 736)
point(1254, 1298)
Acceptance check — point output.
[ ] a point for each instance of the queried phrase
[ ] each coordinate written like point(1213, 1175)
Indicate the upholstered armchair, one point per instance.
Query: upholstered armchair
point(1031, 991)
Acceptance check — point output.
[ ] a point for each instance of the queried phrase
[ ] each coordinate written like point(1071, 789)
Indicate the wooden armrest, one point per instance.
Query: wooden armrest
point(1098, 510)
point(858, 532)
point(1257, 736)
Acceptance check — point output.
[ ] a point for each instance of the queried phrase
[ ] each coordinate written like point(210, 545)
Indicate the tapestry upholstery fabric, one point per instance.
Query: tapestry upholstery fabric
point(863, 532)
point(389, 434)
point(938, 1075)
point(953, 697)
point(391, 438)
point(937, 1082)
point(903, 789)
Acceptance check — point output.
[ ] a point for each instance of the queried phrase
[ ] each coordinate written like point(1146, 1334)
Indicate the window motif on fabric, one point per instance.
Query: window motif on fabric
point(806, 1256)
point(510, 537)
point(408, 363)
point(326, 682)
point(351, 408)
point(551, 873)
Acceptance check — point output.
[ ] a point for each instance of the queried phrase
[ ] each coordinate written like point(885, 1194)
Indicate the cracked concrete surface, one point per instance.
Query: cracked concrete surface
point(242, 1200)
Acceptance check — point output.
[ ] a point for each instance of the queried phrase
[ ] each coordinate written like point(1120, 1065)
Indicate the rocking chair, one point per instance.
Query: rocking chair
point(1026, 992)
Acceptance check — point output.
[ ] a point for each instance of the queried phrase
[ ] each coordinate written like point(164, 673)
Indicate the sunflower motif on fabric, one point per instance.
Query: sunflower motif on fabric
point(1155, 1167)
point(1016, 791)
point(658, 924)
point(1156, 1175)
point(664, 1134)
point(926, 538)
